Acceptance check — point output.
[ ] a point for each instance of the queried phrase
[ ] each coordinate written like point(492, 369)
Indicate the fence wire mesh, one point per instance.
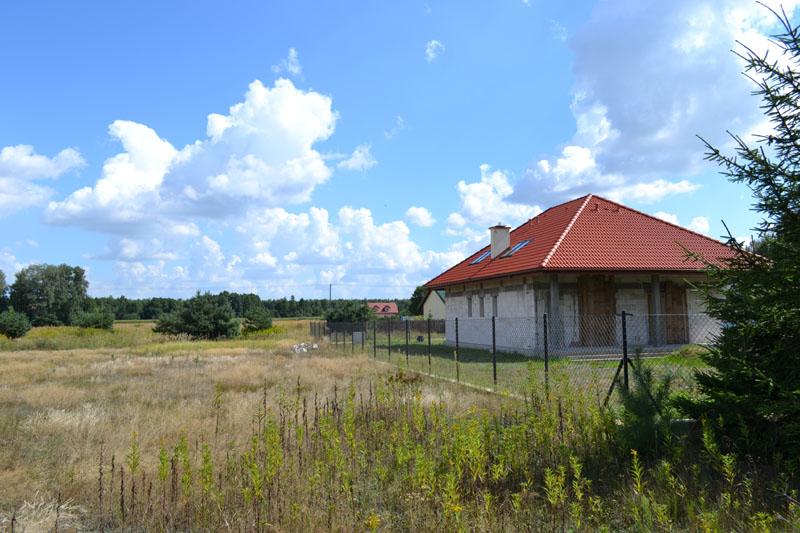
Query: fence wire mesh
point(587, 352)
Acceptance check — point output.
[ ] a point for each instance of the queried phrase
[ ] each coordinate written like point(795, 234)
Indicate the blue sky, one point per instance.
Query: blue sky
point(279, 147)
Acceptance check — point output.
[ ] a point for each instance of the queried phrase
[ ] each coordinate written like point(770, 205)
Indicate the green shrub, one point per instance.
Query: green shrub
point(349, 311)
point(14, 325)
point(257, 319)
point(647, 412)
point(201, 317)
point(95, 319)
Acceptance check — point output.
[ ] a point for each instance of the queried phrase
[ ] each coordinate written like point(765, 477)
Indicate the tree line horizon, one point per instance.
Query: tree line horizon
point(52, 295)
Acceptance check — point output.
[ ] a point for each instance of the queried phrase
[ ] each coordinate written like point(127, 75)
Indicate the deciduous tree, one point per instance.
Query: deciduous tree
point(49, 294)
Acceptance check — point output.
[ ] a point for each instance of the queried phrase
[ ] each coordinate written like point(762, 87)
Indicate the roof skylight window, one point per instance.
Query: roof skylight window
point(514, 249)
point(481, 257)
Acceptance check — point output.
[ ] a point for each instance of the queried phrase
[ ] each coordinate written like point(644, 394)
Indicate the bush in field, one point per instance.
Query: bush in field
point(95, 319)
point(257, 319)
point(350, 312)
point(646, 412)
point(201, 317)
point(14, 325)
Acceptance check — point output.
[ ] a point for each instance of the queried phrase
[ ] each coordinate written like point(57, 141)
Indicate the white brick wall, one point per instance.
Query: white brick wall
point(702, 328)
point(519, 315)
point(633, 301)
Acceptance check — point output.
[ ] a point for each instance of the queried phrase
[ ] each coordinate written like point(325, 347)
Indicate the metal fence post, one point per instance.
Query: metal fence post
point(494, 353)
point(406, 342)
point(375, 339)
point(389, 334)
point(353, 338)
point(625, 350)
point(455, 354)
point(363, 334)
point(546, 358)
point(429, 345)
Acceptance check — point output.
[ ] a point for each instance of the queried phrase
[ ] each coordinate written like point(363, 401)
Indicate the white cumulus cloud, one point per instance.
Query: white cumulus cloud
point(349, 248)
point(643, 92)
point(23, 162)
point(488, 201)
point(672, 218)
point(261, 152)
point(420, 216)
point(21, 167)
point(700, 225)
point(650, 191)
point(361, 159)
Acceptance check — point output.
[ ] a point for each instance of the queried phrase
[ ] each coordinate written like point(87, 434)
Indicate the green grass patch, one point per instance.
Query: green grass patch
point(514, 370)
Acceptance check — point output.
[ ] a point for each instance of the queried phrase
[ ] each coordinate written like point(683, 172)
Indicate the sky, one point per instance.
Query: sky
point(282, 148)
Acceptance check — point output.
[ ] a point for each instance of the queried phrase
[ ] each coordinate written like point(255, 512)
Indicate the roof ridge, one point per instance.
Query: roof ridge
point(566, 230)
point(648, 215)
point(488, 246)
point(562, 204)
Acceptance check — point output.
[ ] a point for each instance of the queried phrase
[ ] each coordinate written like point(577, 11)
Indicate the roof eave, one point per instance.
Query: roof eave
point(552, 270)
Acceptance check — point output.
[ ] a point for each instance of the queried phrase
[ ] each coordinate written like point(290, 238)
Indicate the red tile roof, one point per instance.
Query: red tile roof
point(591, 234)
point(383, 308)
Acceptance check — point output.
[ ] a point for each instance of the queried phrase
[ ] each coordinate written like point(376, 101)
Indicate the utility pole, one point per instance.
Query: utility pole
point(330, 292)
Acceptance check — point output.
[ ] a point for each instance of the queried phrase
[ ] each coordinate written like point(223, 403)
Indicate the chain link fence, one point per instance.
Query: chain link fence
point(594, 353)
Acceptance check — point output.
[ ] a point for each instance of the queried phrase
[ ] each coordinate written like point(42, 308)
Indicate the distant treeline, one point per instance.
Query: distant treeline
point(123, 308)
point(52, 295)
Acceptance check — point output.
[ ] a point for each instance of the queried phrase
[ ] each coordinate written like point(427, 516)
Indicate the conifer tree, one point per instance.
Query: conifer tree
point(752, 392)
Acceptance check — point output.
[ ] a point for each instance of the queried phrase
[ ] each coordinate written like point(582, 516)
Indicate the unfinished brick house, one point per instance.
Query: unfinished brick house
point(582, 263)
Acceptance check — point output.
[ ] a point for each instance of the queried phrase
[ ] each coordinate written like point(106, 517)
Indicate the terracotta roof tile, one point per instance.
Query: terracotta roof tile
point(591, 233)
point(384, 308)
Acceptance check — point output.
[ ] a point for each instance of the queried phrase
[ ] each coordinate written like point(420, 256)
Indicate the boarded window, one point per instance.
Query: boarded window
point(469, 306)
point(481, 305)
point(675, 307)
point(597, 304)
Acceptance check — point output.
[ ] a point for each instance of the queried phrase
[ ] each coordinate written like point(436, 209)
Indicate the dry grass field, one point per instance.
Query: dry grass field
point(62, 406)
point(128, 430)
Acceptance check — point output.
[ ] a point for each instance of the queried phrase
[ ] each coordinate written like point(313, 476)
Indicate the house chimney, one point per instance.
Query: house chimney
point(501, 239)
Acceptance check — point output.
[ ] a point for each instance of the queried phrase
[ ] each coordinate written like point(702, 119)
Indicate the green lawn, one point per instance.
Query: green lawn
point(514, 371)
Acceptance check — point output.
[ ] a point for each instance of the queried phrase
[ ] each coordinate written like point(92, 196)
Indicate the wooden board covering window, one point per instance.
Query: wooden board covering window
point(675, 309)
point(597, 300)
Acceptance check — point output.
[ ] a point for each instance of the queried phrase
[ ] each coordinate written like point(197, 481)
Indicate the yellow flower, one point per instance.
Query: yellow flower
point(373, 522)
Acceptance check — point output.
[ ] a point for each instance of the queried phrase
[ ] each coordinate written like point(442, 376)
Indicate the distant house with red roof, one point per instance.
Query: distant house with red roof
point(582, 263)
point(384, 309)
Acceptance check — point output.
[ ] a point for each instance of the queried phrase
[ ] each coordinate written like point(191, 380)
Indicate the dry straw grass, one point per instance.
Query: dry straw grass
point(167, 434)
point(59, 408)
